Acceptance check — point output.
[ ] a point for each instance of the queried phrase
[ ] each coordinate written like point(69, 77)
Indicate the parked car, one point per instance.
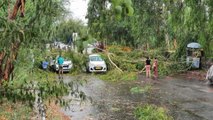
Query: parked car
point(209, 75)
point(96, 64)
point(67, 65)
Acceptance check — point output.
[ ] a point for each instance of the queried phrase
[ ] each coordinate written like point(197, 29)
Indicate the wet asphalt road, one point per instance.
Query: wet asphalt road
point(187, 99)
point(184, 99)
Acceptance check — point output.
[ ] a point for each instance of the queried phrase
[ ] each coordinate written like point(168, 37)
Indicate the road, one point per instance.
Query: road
point(184, 99)
point(187, 99)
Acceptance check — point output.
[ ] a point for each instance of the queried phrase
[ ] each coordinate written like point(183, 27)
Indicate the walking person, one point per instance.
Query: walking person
point(155, 68)
point(60, 63)
point(148, 66)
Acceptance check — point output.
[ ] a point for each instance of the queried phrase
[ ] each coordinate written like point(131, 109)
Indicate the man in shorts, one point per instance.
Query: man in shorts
point(60, 63)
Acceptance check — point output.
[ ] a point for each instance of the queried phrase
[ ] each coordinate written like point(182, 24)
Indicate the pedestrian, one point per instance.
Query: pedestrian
point(155, 68)
point(60, 63)
point(148, 66)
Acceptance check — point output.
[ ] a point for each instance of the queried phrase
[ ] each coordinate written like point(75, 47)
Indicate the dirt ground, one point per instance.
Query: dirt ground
point(54, 113)
point(195, 75)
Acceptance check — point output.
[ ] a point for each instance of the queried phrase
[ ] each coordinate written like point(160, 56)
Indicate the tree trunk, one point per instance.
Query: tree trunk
point(167, 41)
point(2, 56)
point(7, 60)
point(9, 66)
point(22, 7)
point(20, 4)
point(7, 69)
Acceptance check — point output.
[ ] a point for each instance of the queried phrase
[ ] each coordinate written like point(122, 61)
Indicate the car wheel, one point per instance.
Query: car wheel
point(87, 70)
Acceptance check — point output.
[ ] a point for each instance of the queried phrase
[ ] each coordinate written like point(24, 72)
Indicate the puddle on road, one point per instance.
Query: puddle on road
point(114, 101)
point(209, 89)
point(193, 98)
point(110, 101)
point(196, 85)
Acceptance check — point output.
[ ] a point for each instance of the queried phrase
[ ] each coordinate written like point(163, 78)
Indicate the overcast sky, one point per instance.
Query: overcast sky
point(78, 9)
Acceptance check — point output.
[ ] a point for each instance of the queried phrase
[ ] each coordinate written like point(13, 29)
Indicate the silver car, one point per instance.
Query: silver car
point(67, 65)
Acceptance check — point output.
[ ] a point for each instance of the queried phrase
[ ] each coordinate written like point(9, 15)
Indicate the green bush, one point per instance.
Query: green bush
point(112, 75)
point(116, 50)
point(135, 54)
point(139, 65)
point(129, 76)
point(151, 112)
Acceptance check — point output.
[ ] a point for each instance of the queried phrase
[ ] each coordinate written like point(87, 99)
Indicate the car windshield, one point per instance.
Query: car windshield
point(95, 58)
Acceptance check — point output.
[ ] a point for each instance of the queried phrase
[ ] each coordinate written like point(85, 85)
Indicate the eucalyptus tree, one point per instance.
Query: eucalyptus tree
point(156, 23)
point(190, 21)
point(106, 18)
point(148, 22)
point(178, 21)
point(26, 31)
point(21, 46)
point(97, 13)
point(65, 29)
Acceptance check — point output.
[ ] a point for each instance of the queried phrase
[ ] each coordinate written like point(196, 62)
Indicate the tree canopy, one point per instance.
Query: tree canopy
point(29, 31)
point(171, 23)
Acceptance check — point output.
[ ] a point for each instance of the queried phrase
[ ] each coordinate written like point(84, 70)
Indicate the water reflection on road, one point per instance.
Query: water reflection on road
point(185, 99)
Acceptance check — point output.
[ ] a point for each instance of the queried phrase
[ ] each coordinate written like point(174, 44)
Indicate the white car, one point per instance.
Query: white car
point(209, 75)
point(96, 64)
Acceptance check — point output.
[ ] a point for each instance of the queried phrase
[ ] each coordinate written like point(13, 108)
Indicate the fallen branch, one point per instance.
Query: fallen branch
point(143, 70)
point(108, 55)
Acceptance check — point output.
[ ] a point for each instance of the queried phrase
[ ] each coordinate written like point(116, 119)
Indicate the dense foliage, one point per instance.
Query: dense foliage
point(170, 24)
point(164, 25)
point(22, 47)
point(30, 31)
point(66, 28)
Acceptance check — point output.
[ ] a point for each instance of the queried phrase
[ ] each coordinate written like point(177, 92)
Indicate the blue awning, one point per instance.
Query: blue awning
point(194, 45)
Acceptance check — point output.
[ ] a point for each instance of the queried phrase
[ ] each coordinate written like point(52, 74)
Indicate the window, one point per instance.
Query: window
point(95, 58)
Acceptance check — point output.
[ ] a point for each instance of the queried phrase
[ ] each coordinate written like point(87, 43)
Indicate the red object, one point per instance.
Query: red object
point(155, 66)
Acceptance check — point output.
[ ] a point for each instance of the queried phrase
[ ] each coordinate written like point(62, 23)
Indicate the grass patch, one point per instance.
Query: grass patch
point(115, 75)
point(151, 112)
point(144, 89)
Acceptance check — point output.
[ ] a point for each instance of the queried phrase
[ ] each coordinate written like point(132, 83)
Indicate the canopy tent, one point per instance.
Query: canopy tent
point(194, 45)
point(194, 54)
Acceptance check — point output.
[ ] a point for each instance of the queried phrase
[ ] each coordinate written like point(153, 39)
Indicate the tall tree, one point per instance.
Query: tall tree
point(104, 14)
point(155, 23)
point(30, 31)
